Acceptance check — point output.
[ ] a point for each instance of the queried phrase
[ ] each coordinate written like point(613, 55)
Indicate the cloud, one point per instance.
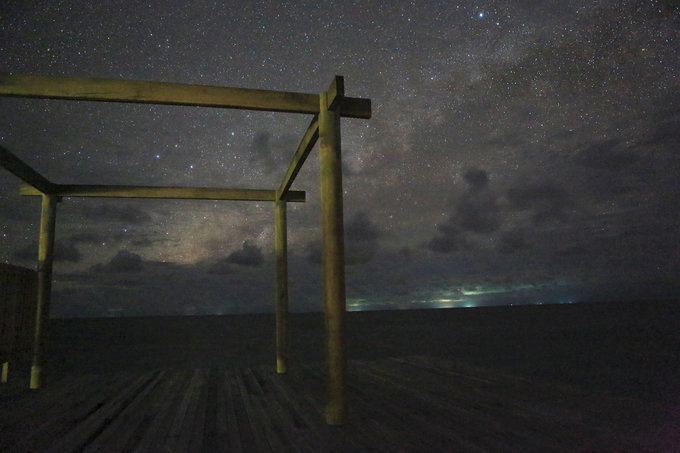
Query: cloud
point(249, 255)
point(665, 133)
point(27, 253)
point(124, 261)
point(512, 241)
point(359, 252)
point(361, 242)
point(450, 239)
point(361, 229)
point(313, 252)
point(355, 252)
point(478, 214)
point(267, 157)
point(16, 208)
point(476, 178)
point(86, 238)
point(547, 200)
point(64, 251)
point(124, 214)
point(261, 153)
point(605, 155)
point(221, 267)
point(475, 211)
point(361, 239)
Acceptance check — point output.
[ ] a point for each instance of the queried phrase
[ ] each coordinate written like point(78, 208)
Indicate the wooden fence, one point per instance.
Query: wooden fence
point(18, 297)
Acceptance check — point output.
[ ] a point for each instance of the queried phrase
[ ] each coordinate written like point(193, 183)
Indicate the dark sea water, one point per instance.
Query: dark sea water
point(630, 348)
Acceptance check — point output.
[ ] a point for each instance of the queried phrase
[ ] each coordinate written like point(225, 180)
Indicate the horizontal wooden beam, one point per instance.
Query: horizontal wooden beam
point(306, 144)
point(24, 172)
point(136, 91)
point(186, 193)
point(355, 108)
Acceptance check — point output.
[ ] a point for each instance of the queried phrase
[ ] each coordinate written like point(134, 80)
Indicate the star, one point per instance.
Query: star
point(542, 145)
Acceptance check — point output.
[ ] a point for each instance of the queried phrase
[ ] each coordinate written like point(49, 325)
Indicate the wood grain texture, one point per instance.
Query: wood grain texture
point(184, 193)
point(146, 92)
point(404, 404)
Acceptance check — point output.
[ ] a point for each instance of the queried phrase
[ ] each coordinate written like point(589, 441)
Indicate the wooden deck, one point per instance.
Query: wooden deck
point(398, 404)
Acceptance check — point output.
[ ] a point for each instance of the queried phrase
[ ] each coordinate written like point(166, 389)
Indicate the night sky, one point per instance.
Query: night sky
point(519, 152)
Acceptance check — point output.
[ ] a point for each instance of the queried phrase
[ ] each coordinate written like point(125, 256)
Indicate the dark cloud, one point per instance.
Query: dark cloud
point(405, 253)
point(261, 153)
point(249, 255)
point(478, 179)
point(124, 214)
point(27, 253)
point(15, 208)
point(606, 155)
point(356, 252)
point(450, 239)
point(269, 154)
point(546, 200)
point(361, 229)
point(86, 238)
point(143, 242)
point(478, 214)
point(361, 239)
point(665, 133)
point(513, 241)
point(582, 102)
point(221, 267)
point(124, 261)
point(359, 252)
point(64, 251)
point(475, 211)
point(361, 242)
point(313, 252)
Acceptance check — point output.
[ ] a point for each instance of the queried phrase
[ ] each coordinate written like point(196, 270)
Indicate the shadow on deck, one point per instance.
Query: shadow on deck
point(414, 404)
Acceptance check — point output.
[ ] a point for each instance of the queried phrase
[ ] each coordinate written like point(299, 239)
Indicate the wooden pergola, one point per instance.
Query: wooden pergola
point(327, 108)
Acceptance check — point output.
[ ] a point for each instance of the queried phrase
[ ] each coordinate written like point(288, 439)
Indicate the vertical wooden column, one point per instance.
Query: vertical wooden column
point(281, 250)
point(333, 255)
point(45, 259)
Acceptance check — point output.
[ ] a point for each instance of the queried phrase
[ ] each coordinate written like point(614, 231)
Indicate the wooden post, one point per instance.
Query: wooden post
point(5, 372)
point(333, 255)
point(45, 259)
point(281, 249)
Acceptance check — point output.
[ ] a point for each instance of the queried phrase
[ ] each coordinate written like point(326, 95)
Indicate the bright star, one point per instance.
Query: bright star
point(481, 15)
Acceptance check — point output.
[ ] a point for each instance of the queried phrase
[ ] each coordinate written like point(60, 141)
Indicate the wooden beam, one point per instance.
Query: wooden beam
point(144, 92)
point(45, 260)
point(281, 308)
point(188, 193)
point(22, 171)
point(306, 144)
point(355, 108)
point(335, 93)
point(333, 258)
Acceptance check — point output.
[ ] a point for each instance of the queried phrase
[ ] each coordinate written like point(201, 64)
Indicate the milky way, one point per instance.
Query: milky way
point(519, 152)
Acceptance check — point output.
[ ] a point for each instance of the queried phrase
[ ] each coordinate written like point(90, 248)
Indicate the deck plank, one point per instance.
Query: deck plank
point(170, 394)
point(397, 404)
point(110, 407)
point(129, 426)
